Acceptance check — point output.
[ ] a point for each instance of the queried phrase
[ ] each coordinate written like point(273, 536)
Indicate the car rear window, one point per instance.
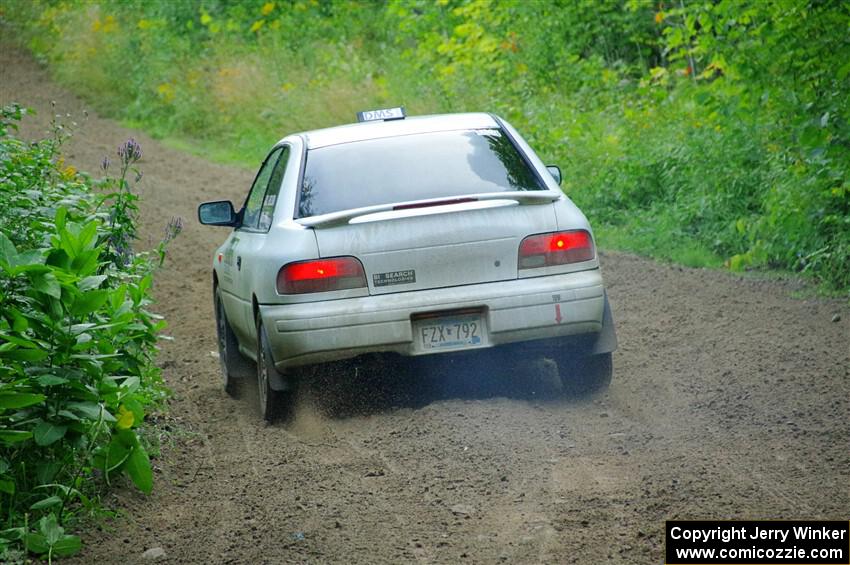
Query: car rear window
point(412, 167)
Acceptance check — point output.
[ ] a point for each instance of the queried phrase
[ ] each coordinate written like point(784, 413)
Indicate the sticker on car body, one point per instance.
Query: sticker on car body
point(394, 277)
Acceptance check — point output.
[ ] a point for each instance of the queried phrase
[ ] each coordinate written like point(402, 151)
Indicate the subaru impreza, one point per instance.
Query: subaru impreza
point(414, 236)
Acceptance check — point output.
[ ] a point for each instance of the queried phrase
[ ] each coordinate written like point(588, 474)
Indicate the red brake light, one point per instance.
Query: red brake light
point(321, 275)
point(434, 203)
point(559, 248)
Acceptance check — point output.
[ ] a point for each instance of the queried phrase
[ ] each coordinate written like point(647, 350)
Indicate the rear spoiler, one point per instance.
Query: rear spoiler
point(344, 216)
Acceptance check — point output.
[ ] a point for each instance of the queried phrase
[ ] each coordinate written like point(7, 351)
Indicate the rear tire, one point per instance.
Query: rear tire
point(584, 375)
point(274, 404)
point(233, 366)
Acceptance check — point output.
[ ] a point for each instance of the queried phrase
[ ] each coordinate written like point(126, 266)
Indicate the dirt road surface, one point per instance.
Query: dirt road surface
point(730, 399)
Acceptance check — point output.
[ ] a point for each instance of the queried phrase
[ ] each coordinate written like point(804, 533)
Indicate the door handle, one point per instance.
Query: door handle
point(239, 263)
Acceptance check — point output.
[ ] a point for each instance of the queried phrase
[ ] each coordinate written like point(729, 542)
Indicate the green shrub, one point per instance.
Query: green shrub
point(77, 342)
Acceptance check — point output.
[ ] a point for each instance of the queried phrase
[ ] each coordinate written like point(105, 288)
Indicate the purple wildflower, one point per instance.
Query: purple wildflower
point(173, 229)
point(130, 151)
point(105, 163)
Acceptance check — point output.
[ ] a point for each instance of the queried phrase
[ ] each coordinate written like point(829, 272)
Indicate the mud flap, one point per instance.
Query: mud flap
point(606, 341)
point(279, 382)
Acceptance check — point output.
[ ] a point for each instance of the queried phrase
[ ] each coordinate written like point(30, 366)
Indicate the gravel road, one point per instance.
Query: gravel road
point(730, 399)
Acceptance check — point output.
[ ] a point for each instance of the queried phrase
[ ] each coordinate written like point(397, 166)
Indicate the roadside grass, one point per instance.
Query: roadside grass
point(653, 241)
point(246, 158)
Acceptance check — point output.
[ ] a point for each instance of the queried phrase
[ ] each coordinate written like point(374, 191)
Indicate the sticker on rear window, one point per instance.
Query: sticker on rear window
point(394, 277)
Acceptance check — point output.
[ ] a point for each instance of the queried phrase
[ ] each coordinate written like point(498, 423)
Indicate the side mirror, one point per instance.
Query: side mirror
point(555, 171)
point(218, 213)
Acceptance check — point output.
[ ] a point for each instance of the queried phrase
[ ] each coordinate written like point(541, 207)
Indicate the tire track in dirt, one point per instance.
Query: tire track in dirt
point(730, 399)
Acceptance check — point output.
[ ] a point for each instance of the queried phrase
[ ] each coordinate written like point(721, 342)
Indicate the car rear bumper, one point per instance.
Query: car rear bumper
point(515, 310)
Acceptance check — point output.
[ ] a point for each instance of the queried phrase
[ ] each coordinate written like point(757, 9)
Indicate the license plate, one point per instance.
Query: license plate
point(461, 331)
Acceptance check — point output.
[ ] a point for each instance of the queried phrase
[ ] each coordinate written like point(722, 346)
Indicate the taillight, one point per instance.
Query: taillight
point(321, 275)
point(559, 248)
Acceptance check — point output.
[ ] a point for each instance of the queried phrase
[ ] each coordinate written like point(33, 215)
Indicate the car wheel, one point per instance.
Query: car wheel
point(274, 404)
point(584, 374)
point(233, 365)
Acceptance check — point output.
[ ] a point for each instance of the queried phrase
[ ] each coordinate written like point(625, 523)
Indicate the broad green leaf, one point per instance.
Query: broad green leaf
point(51, 380)
point(85, 262)
point(14, 436)
point(90, 283)
point(31, 259)
point(88, 302)
point(116, 455)
point(21, 341)
point(51, 529)
point(31, 355)
point(46, 283)
point(136, 407)
point(90, 410)
point(47, 432)
point(87, 236)
point(7, 486)
point(67, 545)
point(130, 385)
point(8, 253)
point(19, 399)
point(127, 438)
point(80, 328)
point(68, 414)
point(90, 357)
point(55, 310)
point(116, 297)
point(13, 533)
point(19, 322)
point(48, 502)
point(138, 467)
point(59, 220)
point(36, 543)
point(83, 339)
point(59, 258)
point(45, 472)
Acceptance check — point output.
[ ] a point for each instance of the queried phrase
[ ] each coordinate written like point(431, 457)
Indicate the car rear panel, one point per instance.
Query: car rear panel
point(415, 250)
point(516, 310)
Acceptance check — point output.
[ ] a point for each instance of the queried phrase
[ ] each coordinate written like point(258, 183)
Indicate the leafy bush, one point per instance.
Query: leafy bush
point(77, 341)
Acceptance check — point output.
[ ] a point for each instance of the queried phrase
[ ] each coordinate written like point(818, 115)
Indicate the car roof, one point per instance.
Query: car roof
point(392, 128)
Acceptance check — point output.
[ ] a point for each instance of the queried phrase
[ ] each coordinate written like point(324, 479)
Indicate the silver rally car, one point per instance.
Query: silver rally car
point(413, 235)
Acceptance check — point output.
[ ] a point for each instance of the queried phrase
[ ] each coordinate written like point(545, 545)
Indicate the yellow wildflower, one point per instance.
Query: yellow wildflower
point(267, 8)
point(166, 92)
point(69, 172)
point(125, 418)
point(109, 25)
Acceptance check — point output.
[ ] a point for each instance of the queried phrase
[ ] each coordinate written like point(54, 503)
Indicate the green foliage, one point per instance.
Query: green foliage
point(77, 341)
point(721, 125)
